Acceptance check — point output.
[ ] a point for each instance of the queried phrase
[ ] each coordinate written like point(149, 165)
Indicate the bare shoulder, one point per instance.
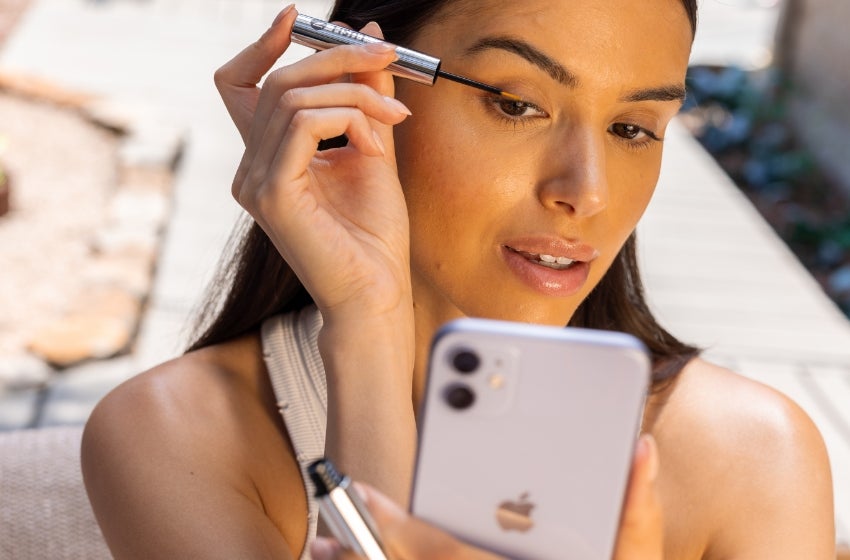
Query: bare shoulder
point(750, 463)
point(179, 461)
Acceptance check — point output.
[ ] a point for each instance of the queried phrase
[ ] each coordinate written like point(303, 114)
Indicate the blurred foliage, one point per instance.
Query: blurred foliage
point(742, 120)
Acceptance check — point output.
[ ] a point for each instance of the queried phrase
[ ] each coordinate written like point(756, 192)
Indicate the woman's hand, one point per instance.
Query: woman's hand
point(641, 535)
point(337, 217)
point(403, 537)
point(407, 538)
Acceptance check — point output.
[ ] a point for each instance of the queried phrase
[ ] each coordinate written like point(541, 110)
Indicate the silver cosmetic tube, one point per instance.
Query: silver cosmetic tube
point(344, 512)
point(319, 34)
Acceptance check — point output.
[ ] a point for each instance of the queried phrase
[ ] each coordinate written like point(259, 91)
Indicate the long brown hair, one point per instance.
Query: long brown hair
point(253, 281)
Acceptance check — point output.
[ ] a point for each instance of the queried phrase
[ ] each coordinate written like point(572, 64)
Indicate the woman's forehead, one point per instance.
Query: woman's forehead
point(559, 17)
point(616, 36)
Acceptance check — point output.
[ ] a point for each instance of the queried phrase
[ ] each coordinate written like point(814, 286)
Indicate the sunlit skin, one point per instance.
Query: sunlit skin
point(430, 216)
point(578, 163)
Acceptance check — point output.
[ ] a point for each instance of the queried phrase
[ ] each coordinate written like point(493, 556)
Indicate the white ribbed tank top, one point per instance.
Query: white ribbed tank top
point(291, 354)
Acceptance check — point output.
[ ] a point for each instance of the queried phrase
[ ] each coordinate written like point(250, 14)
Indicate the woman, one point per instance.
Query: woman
point(447, 201)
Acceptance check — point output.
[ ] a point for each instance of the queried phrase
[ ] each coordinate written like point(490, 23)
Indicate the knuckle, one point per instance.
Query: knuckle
point(256, 177)
point(364, 91)
point(220, 77)
point(238, 183)
point(277, 80)
point(345, 57)
point(262, 203)
point(360, 120)
point(302, 119)
point(291, 98)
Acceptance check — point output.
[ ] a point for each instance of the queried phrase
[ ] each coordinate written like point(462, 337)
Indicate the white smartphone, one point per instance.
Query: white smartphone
point(526, 436)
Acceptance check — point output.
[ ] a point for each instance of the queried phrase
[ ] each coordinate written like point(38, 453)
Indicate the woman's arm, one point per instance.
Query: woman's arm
point(339, 220)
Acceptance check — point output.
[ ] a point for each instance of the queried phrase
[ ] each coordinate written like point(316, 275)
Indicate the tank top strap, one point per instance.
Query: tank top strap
point(291, 355)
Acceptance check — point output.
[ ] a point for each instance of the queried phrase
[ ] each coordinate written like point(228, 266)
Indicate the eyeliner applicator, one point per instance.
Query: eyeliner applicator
point(413, 65)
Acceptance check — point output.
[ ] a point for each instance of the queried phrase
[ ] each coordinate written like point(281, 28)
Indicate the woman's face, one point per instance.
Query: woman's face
point(497, 189)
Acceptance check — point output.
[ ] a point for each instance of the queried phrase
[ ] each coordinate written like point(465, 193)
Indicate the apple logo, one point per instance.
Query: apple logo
point(515, 515)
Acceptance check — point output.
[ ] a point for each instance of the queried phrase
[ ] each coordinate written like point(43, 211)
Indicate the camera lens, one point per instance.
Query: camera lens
point(459, 396)
point(466, 361)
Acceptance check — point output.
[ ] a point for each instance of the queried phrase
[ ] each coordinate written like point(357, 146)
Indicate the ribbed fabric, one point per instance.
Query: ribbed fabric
point(291, 354)
point(44, 510)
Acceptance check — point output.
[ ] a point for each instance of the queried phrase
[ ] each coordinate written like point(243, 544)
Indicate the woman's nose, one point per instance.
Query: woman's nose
point(575, 177)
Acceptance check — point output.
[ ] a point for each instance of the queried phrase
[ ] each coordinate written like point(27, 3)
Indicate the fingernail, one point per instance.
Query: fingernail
point(379, 143)
point(373, 28)
point(361, 492)
point(323, 548)
point(397, 105)
point(380, 48)
point(282, 14)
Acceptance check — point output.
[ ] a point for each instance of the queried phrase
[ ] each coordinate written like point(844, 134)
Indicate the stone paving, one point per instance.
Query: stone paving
point(716, 274)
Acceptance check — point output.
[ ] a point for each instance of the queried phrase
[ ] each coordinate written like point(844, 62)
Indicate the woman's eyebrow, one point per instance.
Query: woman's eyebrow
point(529, 53)
point(673, 92)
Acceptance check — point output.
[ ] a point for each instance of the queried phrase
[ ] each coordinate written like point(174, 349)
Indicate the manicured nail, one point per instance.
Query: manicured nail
point(397, 105)
point(282, 14)
point(372, 28)
point(380, 48)
point(379, 143)
point(361, 492)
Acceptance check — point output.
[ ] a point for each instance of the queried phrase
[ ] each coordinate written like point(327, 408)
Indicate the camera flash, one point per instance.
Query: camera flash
point(497, 381)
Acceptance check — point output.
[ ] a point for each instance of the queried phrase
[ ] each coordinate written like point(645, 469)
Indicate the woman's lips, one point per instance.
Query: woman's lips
point(552, 268)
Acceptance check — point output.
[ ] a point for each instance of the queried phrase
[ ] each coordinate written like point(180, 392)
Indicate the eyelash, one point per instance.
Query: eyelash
point(651, 137)
point(497, 103)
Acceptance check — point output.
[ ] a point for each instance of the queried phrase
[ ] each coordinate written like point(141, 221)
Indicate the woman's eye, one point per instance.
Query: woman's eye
point(631, 131)
point(519, 109)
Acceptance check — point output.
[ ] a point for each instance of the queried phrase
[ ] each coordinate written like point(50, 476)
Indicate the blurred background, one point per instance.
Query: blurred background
point(116, 157)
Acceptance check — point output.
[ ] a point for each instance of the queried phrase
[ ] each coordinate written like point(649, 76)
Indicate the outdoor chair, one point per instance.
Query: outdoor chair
point(44, 511)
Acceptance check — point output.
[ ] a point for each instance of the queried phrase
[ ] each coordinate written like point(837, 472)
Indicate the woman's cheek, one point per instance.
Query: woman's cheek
point(632, 185)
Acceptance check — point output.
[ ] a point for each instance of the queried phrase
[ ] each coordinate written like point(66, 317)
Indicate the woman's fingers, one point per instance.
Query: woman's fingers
point(408, 538)
point(324, 67)
point(641, 534)
point(381, 82)
point(237, 80)
point(386, 110)
point(286, 160)
point(331, 64)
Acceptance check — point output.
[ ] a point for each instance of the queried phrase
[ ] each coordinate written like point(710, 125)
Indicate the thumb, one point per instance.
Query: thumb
point(641, 535)
point(237, 80)
point(384, 511)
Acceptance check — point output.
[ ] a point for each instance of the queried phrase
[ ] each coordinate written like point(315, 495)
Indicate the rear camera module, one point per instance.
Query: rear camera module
point(459, 396)
point(466, 361)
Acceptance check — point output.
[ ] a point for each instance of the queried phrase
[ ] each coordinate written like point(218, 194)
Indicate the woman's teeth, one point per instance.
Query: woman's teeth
point(558, 263)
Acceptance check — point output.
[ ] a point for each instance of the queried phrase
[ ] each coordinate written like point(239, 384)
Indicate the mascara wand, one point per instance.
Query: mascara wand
point(479, 85)
point(413, 65)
